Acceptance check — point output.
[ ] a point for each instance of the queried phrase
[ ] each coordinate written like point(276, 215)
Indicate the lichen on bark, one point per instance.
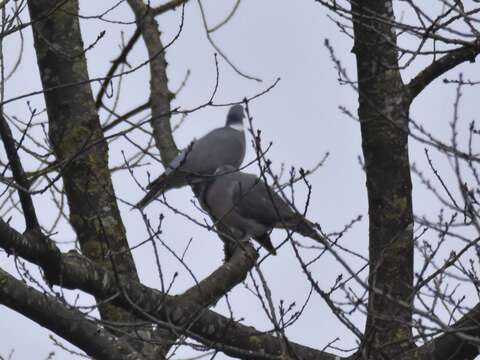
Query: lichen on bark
point(77, 140)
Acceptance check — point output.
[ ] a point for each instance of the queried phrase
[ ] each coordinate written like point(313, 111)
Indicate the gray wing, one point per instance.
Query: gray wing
point(265, 206)
point(180, 159)
point(255, 200)
point(223, 146)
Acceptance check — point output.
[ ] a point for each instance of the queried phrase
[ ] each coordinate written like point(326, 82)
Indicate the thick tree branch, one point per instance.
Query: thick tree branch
point(454, 344)
point(31, 220)
point(160, 95)
point(211, 289)
point(73, 126)
point(222, 280)
point(68, 323)
point(441, 66)
point(210, 328)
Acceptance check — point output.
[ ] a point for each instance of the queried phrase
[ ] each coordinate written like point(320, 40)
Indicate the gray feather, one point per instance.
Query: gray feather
point(221, 146)
point(249, 207)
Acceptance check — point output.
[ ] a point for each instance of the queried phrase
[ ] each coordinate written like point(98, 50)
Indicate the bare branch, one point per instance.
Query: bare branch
point(15, 163)
point(440, 67)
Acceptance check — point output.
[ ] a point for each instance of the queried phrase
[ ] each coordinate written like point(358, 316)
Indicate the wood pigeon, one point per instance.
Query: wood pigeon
point(221, 146)
point(249, 208)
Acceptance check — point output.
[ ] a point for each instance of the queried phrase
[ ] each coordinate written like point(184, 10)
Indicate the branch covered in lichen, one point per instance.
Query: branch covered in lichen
point(68, 323)
point(208, 327)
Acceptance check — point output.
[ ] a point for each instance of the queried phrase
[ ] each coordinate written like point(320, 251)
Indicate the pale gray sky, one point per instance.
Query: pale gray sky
point(267, 39)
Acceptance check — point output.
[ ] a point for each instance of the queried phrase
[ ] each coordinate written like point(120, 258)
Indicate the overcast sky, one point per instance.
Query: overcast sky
point(267, 39)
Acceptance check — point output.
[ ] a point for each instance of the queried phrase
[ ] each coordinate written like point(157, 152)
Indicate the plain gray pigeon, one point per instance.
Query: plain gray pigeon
point(249, 208)
point(221, 146)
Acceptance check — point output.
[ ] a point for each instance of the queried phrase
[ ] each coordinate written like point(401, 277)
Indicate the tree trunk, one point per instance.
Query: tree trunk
point(77, 139)
point(383, 113)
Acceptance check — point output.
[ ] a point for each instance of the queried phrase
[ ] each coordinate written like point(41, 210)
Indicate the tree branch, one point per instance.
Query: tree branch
point(210, 328)
point(74, 126)
point(172, 5)
point(31, 220)
point(454, 344)
point(115, 64)
point(160, 95)
point(383, 116)
point(126, 116)
point(441, 66)
point(222, 280)
point(68, 323)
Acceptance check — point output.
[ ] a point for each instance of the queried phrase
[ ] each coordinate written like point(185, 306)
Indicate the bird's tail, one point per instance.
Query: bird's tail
point(265, 241)
point(158, 187)
point(304, 227)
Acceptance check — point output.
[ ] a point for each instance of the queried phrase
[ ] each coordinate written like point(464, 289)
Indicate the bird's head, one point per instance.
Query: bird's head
point(235, 117)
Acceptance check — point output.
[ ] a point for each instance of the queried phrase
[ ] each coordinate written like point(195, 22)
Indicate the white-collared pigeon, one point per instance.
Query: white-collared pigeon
point(221, 146)
point(249, 207)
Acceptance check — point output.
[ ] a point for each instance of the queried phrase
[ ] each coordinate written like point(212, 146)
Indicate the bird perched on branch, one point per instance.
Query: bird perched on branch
point(250, 208)
point(221, 146)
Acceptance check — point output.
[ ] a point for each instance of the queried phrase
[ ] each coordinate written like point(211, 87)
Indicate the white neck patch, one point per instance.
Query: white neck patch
point(238, 127)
